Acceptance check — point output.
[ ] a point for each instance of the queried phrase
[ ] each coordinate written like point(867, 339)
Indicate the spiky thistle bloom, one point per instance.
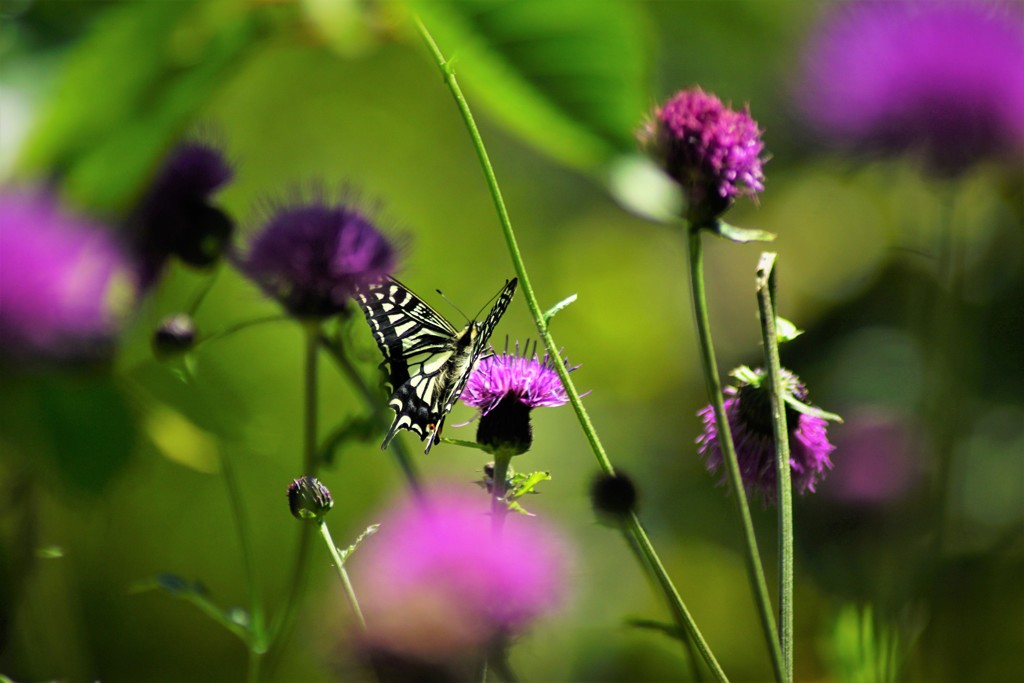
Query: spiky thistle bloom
point(312, 255)
point(505, 388)
point(712, 151)
point(65, 284)
point(177, 217)
point(437, 583)
point(945, 79)
point(748, 407)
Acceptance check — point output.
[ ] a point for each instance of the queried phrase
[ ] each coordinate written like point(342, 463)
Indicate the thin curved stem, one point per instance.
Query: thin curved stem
point(783, 470)
point(339, 566)
point(257, 634)
point(675, 603)
point(755, 571)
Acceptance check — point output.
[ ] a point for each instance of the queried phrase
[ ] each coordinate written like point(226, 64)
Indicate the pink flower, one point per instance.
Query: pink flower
point(712, 151)
point(437, 583)
point(65, 284)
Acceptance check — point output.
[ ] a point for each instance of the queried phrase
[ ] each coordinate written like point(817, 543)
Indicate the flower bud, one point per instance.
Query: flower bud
point(175, 335)
point(613, 496)
point(309, 499)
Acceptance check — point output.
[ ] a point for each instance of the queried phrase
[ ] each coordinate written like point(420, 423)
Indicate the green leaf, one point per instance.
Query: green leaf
point(525, 483)
point(128, 90)
point(741, 235)
point(810, 410)
point(785, 330)
point(370, 531)
point(670, 630)
point(644, 189)
point(567, 76)
point(554, 310)
point(50, 552)
point(234, 619)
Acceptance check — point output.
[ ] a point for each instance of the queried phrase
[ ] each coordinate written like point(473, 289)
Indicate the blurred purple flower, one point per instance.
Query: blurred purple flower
point(437, 583)
point(748, 408)
point(176, 215)
point(942, 78)
point(313, 255)
point(505, 388)
point(882, 458)
point(709, 149)
point(65, 285)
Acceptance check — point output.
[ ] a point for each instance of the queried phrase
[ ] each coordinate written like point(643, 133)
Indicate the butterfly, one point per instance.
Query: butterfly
point(426, 360)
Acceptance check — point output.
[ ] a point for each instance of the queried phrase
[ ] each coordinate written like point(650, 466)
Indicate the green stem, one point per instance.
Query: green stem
point(675, 603)
point(257, 636)
point(237, 327)
point(339, 565)
point(285, 623)
point(401, 453)
point(502, 460)
point(755, 572)
point(204, 289)
point(770, 339)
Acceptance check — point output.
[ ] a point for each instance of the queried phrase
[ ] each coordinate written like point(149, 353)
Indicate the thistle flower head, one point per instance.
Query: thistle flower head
point(505, 388)
point(313, 255)
point(945, 79)
point(712, 151)
point(177, 217)
point(436, 583)
point(65, 285)
point(309, 499)
point(748, 407)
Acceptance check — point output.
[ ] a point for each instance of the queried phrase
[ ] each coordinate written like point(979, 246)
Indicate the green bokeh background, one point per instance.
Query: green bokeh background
point(116, 472)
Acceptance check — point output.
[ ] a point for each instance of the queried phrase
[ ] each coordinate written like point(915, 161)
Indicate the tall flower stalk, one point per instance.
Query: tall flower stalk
point(653, 562)
point(755, 570)
point(714, 154)
point(784, 496)
point(311, 256)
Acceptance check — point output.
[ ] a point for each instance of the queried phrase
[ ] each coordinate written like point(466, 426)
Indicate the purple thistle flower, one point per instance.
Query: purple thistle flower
point(748, 408)
point(313, 256)
point(505, 388)
point(436, 583)
point(176, 215)
point(65, 284)
point(711, 150)
point(942, 78)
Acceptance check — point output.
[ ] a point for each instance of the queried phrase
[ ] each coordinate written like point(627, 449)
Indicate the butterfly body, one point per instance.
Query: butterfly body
point(426, 360)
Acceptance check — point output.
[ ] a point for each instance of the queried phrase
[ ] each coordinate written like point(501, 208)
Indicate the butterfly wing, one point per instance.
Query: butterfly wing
point(426, 360)
point(475, 336)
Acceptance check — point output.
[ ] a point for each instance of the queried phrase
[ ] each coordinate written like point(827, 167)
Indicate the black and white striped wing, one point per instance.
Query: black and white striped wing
point(470, 345)
point(426, 360)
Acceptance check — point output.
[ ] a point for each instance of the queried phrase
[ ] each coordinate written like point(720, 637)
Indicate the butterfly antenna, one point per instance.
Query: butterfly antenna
point(487, 303)
point(451, 303)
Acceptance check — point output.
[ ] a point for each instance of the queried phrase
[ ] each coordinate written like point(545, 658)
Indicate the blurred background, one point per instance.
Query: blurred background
point(110, 475)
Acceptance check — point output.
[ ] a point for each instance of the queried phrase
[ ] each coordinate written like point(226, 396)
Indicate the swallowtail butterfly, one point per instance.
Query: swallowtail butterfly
point(427, 361)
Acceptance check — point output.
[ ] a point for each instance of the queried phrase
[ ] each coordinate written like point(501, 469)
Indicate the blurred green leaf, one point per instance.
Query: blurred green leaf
point(128, 89)
point(91, 428)
point(234, 619)
point(567, 76)
point(741, 235)
point(863, 648)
